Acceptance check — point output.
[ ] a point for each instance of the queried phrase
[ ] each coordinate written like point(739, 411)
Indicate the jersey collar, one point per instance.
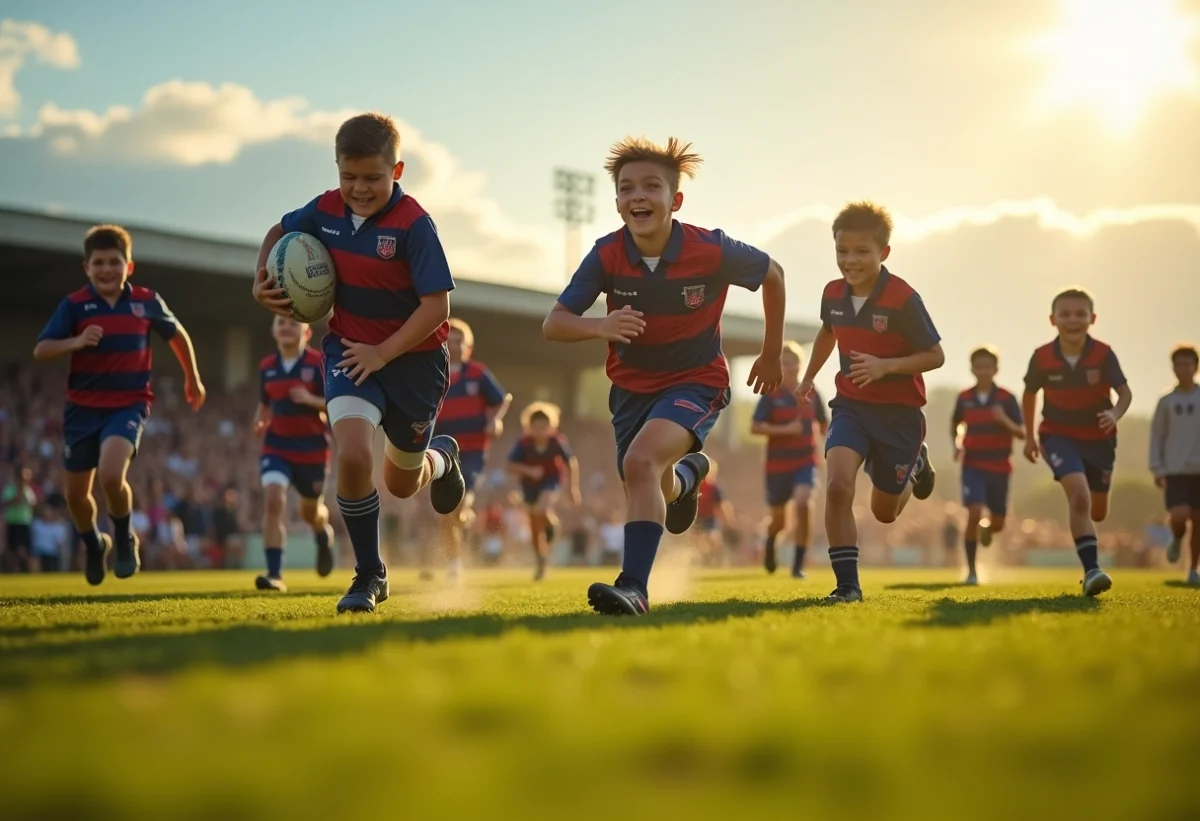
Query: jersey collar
point(1088, 344)
point(876, 291)
point(669, 254)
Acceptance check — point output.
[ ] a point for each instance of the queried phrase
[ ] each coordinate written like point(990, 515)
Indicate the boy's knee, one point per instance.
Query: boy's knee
point(839, 492)
point(640, 468)
point(884, 512)
point(400, 483)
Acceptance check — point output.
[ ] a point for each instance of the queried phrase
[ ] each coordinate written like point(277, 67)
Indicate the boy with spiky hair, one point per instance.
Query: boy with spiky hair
point(543, 461)
point(473, 413)
point(990, 419)
point(790, 425)
point(1175, 456)
point(666, 284)
point(105, 328)
point(885, 341)
point(1077, 376)
point(385, 354)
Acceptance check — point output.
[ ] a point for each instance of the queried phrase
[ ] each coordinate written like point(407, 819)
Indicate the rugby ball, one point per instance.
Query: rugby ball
point(303, 268)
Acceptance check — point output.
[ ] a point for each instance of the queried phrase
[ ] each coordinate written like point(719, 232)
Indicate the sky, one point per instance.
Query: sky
point(1022, 146)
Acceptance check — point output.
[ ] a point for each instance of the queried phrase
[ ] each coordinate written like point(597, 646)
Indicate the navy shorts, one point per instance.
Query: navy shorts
point(308, 480)
point(534, 492)
point(85, 429)
point(695, 407)
point(1183, 491)
point(471, 465)
point(1094, 458)
point(781, 487)
point(887, 437)
point(408, 391)
point(987, 488)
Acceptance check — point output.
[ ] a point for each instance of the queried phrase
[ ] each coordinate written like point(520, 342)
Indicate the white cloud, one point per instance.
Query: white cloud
point(20, 40)
point(1042, 211)
point(196, 124)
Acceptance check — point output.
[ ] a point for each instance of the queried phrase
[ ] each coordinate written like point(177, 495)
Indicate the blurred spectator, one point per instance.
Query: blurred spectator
point(227, 545)
point(19, 500)
point(50, 539)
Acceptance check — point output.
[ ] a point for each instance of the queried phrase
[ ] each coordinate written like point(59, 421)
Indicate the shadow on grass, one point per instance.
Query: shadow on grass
point(248, 645)
point(127, 598)
point(976, 612)
point(1181, 583)
point(931, 587)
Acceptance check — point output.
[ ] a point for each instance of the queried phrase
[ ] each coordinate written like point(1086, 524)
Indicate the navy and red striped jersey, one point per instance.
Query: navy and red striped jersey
point(1074, 396)
point(681, 300)
point(787, 454)
point(892, 323)
point(710, 496)
point(552, 459)
point(473, 391)
point(296, 432)
point(987, 444)
point(384, 267)
point(116, 372)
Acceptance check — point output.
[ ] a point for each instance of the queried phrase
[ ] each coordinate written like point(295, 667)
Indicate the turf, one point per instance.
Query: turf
point(190, 696)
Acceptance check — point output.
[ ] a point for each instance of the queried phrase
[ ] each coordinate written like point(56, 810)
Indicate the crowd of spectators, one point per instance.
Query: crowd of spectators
point(197, 496)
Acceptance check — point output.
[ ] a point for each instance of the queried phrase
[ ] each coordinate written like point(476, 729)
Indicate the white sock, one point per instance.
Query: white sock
point(437, 463)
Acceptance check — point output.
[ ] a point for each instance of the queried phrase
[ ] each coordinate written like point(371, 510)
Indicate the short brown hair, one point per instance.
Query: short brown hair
point(1187, 351)
point(865, 216)
point(1073, 293)
point(107, 237)
point(463, 328)
point(368, 135)
point(677, 158)
point(985, 350)
point(541, 410)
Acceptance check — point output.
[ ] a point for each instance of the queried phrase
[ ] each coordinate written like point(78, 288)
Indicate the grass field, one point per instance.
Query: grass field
point(188, 696)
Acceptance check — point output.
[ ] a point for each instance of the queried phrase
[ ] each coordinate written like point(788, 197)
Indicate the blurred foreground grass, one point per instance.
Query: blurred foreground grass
point(187, 696)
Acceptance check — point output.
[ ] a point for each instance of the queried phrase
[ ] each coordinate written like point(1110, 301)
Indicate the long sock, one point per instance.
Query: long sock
point(274, 561)
point(438, 463)
point(972, 549)
point(845, 565)
point(322, 537)
point(91, 539)
point(362, 524)
point(798, 558)
point(687, 478)
point(1089, 552)
point(641, 546)
point(120, 530)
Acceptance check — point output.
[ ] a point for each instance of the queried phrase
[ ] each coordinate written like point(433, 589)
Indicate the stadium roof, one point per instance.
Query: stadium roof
point(45, 232)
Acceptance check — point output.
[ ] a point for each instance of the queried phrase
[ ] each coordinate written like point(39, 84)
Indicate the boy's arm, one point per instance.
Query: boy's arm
point(573, 479)
point(767, 371)
point(265, 289)
point(916, 327)
point(262, 418)
point(1158, 439)
point(1029, 411)
point(1008, 414)
point(1116, 378)
point(57, 339)
point(193, 388)
point(822, 346)
point(497, 402)
point(566, 322)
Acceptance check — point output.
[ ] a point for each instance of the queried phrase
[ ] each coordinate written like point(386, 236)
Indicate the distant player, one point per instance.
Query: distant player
point(472, 413)
point(713, 516)
point(295, 453)
point(105, 329)
point(543, 461)
point(992, 418)
point(666, 284)
point(385, 355)
point(1078, 434)
point(885, 341)
point(1175, 455)
point(790, 425)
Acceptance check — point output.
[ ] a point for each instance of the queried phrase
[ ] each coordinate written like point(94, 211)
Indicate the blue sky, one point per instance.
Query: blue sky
point(928, 106)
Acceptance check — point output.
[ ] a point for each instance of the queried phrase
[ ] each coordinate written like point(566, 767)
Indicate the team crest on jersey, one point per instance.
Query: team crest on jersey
point(1093, 376)
point(385, 246)
point(307, 374)
point(879, 322)
point(693, 295)
point(472, 388)
point(138, 310)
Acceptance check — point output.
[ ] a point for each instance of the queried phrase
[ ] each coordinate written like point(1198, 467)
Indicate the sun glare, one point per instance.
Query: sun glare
point(1118, 55)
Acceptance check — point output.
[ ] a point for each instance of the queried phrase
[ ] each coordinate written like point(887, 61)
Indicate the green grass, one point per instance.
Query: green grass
point(187, 696)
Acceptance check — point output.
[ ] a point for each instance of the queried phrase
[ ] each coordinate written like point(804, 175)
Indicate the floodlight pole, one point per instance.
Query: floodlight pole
point(573, 206)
